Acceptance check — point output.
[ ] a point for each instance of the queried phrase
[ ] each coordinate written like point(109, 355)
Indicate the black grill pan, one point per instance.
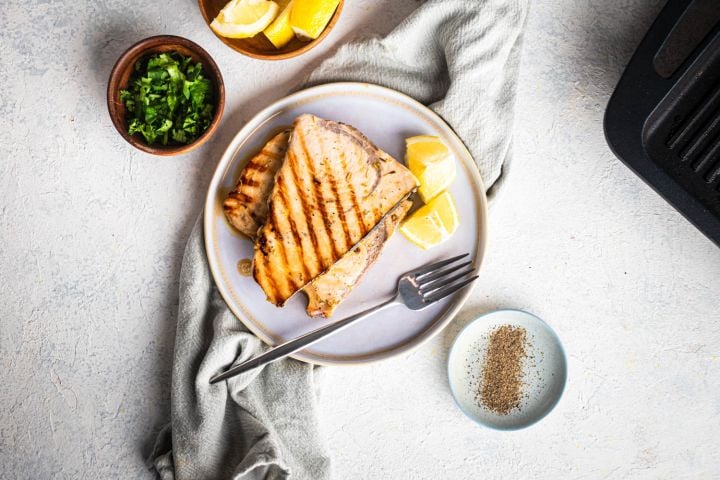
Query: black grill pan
point(663, 120)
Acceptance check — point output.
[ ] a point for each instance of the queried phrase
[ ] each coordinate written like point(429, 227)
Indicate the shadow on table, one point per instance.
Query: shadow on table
point(106, 42)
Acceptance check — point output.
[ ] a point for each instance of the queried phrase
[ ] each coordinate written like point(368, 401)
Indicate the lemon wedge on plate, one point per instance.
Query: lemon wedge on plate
point(430, 161)
point(310, 17)
point(280, 32)
point(244, 18)
point(433, 223)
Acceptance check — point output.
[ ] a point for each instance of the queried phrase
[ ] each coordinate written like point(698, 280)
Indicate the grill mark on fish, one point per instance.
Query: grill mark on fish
point(251, 183)
point(292, 162)
point(293, 226)
point(341, 213)
point(255, 167)
point(337, 200)
point(353, 199)
point(268, 153)
point(280, 245)
point(244, 197)
point(318, 200)
point(269, 282)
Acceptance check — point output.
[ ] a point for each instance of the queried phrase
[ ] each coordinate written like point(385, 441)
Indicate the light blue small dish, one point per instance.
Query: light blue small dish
point(544, 369)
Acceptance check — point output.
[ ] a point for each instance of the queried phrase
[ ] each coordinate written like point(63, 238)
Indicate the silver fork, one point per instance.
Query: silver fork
point(417, 289)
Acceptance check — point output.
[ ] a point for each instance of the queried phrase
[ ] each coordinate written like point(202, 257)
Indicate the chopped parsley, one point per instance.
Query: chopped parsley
point(169, 99)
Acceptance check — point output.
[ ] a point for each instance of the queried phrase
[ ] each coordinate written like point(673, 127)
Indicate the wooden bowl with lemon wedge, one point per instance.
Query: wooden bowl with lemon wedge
point(271, 30)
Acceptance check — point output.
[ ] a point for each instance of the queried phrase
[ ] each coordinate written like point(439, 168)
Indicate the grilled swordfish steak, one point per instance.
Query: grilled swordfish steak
point(328, 289)
point(332, 189)
point(246, 206)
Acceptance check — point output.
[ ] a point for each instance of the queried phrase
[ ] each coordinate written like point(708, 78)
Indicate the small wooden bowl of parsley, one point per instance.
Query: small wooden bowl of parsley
point(166, 95)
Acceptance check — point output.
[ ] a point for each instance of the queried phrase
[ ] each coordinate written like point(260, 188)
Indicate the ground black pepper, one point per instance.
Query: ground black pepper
point(501, 388)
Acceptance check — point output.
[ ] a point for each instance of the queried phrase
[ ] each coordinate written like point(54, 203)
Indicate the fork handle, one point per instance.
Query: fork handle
point(292, 346)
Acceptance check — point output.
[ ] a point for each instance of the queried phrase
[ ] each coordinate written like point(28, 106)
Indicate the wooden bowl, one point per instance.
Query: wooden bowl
point(259, 46)
point(125, 67)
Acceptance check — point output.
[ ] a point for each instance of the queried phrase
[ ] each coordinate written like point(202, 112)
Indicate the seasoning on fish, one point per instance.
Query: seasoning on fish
point(332, 189)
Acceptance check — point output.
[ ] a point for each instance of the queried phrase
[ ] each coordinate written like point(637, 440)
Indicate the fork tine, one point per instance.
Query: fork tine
point(441, 282)
point(448, 290)
point(437, 274)
point(425, 269)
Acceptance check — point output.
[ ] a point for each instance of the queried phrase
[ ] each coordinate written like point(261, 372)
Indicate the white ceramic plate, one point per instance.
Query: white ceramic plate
point(386, 117)
point(544, 369)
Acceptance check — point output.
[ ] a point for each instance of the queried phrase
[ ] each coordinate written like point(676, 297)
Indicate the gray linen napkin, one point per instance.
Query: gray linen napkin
point(257, 425)
point(458, 56)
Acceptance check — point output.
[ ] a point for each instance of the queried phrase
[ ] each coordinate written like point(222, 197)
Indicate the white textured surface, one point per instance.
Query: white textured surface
point(91, 233)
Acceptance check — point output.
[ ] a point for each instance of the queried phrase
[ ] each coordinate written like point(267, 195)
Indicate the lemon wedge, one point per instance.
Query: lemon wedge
point(430, 161)
point(244, 18)
point(309, 18)
point(280, 32)
point(425, 230)
point(433, 223)
point(445, 206)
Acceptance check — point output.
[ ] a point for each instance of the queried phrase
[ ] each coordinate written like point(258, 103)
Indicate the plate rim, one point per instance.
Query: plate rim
point(258, 120)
